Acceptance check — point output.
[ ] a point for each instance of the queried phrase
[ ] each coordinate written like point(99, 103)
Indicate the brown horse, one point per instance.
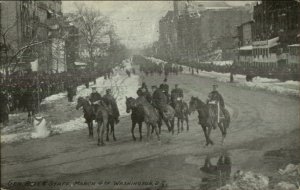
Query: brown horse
point(150, 114)
point(182, 114)
point(204, 116)
point(137, 116)
point(98, 112)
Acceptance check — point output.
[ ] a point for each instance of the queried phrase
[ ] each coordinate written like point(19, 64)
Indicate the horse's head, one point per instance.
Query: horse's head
point(193, 104)
point(80, 101)
point(130, 103)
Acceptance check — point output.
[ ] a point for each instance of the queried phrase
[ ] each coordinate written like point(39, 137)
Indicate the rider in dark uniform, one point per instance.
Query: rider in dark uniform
point(110, 101)
point(159, 98)
point(95, 96)
point(145, 92)
point(216, 96)
point(165, 88)
point(176, 95)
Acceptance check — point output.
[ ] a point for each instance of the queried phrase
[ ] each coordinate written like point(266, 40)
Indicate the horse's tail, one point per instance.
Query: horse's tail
point(227, 118)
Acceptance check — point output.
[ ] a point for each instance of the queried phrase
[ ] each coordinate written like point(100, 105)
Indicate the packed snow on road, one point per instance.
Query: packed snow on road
point(120, 84)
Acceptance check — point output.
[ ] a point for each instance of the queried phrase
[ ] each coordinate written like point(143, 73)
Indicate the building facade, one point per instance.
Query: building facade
point(200, 31)
point(28, 27)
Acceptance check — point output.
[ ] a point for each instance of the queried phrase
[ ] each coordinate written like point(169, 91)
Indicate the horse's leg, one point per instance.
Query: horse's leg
point(156, 131)
point(178, 125)
point(99, 124)
point(140, 130)
point(112, 124)
point(148, 131)
point(92, 129)
point(223, 131)
point(205, 134)
point(105, 121)
point(107, 130)
point(167, 123)
point(132, 130)
point(187, 122)
point(159, 123)
point(208, 134)
point(181, 120)
point(89, 128)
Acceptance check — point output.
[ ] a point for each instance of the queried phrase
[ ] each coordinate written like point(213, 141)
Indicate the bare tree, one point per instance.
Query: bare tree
point(92, 26)
point(11, 50)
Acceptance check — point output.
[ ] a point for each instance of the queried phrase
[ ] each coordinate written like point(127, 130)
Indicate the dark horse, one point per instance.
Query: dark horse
point(142, 111)
point(137, 116)
point(182, 114)
point(204, 119)
point(98, 112)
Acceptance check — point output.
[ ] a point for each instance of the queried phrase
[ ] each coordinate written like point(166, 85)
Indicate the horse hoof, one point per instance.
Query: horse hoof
point(134, 139)
point(115, 139)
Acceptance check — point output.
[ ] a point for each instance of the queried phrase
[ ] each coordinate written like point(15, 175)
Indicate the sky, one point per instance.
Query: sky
point(135, 22)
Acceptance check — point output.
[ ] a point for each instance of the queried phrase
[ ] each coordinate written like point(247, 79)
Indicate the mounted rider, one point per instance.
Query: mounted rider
point(110, 101)
point(160, 102)
point(216, 103)
point(176, 95)
point(165, 88)
point(145, 92)
point(95, 96)
point(159, 99)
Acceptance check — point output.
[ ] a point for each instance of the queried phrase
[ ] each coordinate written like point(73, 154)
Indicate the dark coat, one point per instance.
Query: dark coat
point(159, 99)
point(216, 96)
point(110, 101)
point(175, 93)
point(95, 96)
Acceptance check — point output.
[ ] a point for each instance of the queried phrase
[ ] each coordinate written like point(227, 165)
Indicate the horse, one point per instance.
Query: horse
point(151, 116)
point(204, 116)
point(98, 112)
point(182, 114)
point(137, 116)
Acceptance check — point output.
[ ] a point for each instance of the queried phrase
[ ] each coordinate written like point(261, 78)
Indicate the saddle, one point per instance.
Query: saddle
point(108, 108)
point(215, 113)
point(167, 111)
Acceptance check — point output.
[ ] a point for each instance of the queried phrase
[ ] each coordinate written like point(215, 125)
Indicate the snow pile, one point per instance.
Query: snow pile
point(157, 61)
point(72, 125)
point(127, 63)
point(285, 186)
point(291, 170)
point(40, 128)
point(54, 97)
point(81, 91)
point(247, 181)
point(121, 86)
point(15, 137)
point(274, 85)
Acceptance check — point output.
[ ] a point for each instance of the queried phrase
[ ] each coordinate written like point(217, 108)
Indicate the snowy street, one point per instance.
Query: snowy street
point(258, 119)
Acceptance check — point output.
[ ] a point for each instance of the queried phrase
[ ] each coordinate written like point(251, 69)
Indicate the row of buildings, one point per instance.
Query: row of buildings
point(37, 36)
point(263, 34)
point(270, 41)
point(196, 31)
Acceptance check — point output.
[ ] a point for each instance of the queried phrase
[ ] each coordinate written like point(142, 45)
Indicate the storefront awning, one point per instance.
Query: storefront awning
point(80, 64)
point(246, 47)
point(266, 43)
